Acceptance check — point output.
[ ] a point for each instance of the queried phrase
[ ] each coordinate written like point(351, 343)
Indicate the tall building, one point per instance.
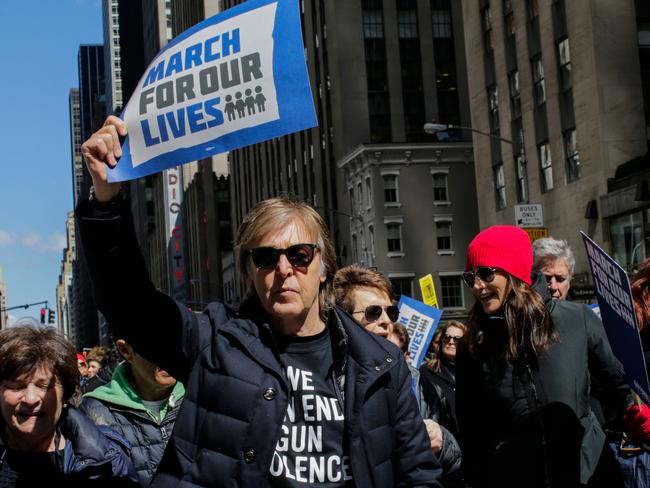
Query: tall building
point(64, 290)
point(393, 196)
point(561, 81)
point(92, 112)
point(74, 108)
point(112, 56)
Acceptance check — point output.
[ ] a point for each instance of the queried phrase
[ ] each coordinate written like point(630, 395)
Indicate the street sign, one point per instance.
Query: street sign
point(530, 215)
point(428, 291)
point(537, 233)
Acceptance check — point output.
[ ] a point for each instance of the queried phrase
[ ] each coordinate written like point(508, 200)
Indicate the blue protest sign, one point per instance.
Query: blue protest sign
point(619, 319)
point(421, 321)
point(235, 79)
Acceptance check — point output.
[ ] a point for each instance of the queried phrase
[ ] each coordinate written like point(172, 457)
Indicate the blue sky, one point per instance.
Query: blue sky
point(39, 40)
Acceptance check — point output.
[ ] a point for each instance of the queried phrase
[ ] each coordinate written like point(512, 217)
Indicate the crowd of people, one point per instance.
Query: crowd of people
point(306, 384)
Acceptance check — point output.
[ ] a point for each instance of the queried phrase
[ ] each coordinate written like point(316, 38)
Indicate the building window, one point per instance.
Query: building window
point(373, 24)
point(407, 19)
point(441, 19)
point(486, 24)
point(538, 81)
point(533, 9)
point(355, 248)
point(509, 18)
point(451, 292)
point(360, 197)
point(564, 57)
point(546, 166)
point(394, 237)
point(515, 94)
point(499, 186)
point(627, 237)
point(391, 193)
point(522, 178)
point(493, 101)
point(443, 235)
point(352, 207)
point(402, 286)
point(440, 191)
point(572, 156)
point(368, 193)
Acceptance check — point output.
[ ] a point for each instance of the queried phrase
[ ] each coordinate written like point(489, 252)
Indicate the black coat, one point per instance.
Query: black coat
point(518, 432)
point(236, 391)
point(440, 388)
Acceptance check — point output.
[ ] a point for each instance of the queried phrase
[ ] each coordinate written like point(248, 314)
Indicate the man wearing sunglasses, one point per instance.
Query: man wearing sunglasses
point(368, 296)
point(287, 391)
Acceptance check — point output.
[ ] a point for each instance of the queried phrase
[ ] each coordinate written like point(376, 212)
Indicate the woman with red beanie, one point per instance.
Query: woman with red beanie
point(523, 374)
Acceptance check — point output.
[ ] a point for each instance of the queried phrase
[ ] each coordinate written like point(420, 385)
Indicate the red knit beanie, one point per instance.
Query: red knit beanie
point(502, 246)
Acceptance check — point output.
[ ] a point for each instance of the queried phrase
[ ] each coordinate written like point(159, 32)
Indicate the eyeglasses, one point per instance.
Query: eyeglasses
point(373, 312)
point(299, 255)
point(447, 339)
point(485, 274)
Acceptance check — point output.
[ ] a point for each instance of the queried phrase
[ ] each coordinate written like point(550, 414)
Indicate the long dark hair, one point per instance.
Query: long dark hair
point(641, 294)
point(528, 321)
point(434, 364)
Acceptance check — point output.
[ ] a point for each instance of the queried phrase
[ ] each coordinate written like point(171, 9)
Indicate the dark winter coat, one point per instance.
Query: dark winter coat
point(236, 391)
point(117, 405)
point(92, 457)
point(522, 423)
point(440, 388)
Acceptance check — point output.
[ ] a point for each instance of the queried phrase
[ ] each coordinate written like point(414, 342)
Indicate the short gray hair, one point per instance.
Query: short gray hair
point(548, 248)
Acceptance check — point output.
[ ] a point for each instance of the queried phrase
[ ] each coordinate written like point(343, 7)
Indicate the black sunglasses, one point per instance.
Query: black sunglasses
point(373, 312)
point(485, 273)
point(447, 339)
point(299, 255)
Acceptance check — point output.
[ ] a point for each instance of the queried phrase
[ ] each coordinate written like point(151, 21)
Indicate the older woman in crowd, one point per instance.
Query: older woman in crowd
point(44, 440)
point(523, 375)
point(287, 391)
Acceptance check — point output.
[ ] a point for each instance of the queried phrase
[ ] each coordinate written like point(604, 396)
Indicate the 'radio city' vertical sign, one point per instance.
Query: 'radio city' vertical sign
point(235, 79)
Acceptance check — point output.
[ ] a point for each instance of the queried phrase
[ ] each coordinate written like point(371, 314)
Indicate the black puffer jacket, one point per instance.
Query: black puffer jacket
point(529, 427)
point(236, 391)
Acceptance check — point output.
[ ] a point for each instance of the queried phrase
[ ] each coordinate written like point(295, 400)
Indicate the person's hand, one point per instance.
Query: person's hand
point(636, 421)
point(103, 148)
point(435, 435)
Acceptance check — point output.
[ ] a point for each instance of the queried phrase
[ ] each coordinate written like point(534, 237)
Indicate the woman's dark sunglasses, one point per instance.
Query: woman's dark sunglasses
point(485, 273)
point(448, 339)
point(373, 312)
point(299, 255)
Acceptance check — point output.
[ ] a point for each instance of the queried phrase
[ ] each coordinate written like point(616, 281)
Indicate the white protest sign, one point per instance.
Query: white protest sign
point(233, 80)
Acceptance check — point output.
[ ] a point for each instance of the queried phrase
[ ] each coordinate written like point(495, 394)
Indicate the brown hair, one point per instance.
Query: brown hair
point(355, 276)
point(528, 321)
point(26, 349)
point(273, 214)
point(99, 354)
point(434, 363)
point(402, 334)
point(641, 294)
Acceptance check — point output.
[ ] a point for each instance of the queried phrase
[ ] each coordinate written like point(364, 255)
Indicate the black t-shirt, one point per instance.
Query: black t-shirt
point(310, 451)
point(28, 469)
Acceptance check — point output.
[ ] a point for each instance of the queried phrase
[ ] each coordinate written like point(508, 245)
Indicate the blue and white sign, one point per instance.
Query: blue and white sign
point(619, 318)
point(421, 321)
point(235, 79)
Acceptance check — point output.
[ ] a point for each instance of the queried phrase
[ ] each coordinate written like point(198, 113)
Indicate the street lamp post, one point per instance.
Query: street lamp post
point(434, 128)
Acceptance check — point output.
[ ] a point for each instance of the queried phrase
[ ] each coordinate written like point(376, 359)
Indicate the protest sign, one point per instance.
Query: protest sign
point(617, 311)
point(428, 290)
point(421, 321)
point(235, 79)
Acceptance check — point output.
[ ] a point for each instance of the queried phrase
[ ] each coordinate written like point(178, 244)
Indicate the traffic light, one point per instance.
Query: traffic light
point(42, 315)
point(50, 316)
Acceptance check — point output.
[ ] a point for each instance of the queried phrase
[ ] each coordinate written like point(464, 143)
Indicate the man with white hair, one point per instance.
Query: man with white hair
point(554, 259)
